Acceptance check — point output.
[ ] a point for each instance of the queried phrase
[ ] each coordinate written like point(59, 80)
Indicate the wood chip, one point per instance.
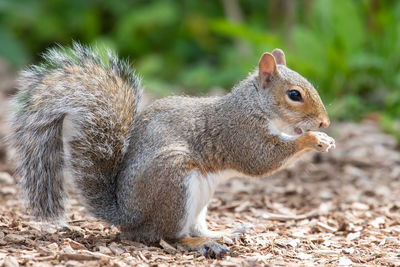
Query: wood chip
point(75, 245)
point(167, 247)
point(344, 261)
point(116, 249)
point(10, 262)
point(77, 257)
point(326, 227)
point(15, 238)
point(6, 178)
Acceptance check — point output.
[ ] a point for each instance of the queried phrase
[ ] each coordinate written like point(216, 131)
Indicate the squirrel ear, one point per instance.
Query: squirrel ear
point(266, 69)
point(279, 56)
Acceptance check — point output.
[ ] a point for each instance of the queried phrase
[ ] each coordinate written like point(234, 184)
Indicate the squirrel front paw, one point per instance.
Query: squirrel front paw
point(324, 142)
point(318, 141)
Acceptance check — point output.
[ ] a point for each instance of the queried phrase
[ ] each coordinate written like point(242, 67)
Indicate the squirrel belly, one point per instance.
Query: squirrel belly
point(200, 190)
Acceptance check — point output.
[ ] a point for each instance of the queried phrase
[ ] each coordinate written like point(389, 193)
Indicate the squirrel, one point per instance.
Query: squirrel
point(152, 171)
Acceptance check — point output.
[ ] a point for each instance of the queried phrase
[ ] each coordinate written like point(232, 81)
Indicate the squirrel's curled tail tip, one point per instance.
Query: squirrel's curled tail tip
point(99, 95)
point(80, 55)
point(59, 59)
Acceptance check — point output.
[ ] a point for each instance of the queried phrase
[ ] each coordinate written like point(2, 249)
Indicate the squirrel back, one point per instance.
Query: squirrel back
point(99, 99)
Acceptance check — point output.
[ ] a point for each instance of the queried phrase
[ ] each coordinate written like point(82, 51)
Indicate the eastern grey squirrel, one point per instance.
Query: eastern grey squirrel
point(152, 172)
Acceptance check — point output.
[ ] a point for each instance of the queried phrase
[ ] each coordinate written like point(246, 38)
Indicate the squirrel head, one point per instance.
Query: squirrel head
point(295, 102)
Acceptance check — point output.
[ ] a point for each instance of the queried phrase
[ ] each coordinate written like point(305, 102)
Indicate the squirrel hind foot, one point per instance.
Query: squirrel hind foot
point(214, 250)
point(205, 246)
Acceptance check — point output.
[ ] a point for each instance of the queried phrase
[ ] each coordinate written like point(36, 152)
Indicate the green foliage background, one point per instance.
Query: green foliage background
point(349, 49)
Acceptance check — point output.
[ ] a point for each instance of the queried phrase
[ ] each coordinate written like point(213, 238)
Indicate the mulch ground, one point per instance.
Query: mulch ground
point(336, 208)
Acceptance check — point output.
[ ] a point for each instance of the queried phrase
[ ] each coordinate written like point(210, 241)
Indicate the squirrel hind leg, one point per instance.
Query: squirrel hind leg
point(200, 228)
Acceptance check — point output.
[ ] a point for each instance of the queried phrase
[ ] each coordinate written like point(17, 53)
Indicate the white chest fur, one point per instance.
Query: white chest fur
point(200, 189)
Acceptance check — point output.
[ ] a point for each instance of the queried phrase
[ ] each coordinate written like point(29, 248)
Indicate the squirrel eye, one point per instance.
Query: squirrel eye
point(294, 95)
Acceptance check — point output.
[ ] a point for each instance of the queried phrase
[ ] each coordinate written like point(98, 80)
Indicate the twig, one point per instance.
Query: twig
point(77, 257)
point(283, 218)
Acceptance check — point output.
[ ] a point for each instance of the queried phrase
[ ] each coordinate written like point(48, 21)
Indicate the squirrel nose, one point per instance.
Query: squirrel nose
point(324, 123)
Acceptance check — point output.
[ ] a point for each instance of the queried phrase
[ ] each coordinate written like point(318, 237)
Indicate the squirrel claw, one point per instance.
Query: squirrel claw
point(213, 250)
point(324, 142)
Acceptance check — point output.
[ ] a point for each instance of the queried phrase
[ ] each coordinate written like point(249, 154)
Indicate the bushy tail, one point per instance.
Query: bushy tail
point(99, 98)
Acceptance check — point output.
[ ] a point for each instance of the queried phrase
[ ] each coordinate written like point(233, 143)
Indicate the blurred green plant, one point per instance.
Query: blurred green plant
point(390, 126)
point(350, 49)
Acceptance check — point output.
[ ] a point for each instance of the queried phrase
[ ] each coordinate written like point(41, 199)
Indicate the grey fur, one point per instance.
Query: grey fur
point(131, 166)
point(49, 92)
